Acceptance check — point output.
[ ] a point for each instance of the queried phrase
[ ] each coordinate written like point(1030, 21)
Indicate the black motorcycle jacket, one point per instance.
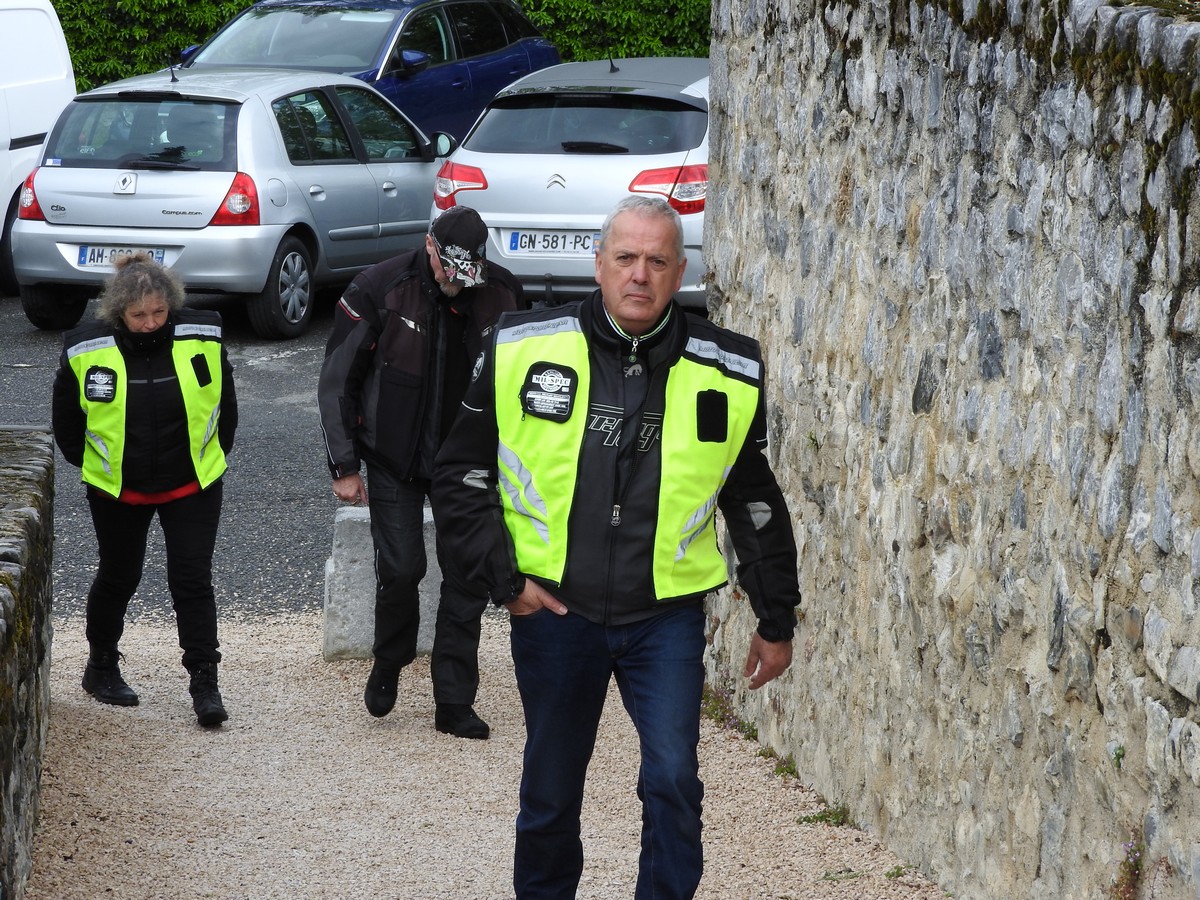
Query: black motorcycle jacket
point(608, 575)
point(398, 360)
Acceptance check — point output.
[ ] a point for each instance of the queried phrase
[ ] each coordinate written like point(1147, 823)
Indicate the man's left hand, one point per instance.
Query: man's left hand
point(767, 660)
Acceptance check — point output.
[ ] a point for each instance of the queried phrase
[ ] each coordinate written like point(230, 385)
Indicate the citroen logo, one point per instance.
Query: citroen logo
point(556, 180)
point(126, 184)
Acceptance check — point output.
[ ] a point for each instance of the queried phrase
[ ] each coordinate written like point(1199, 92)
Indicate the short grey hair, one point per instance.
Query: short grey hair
point(649, 207)
point(137, 277)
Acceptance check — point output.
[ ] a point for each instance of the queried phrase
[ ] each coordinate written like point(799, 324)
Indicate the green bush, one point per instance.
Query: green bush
point(113, 40)
point(110, 41)
point(595, 29)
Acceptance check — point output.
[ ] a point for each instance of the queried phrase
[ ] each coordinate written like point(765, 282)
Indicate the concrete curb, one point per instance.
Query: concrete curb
point(349, 620)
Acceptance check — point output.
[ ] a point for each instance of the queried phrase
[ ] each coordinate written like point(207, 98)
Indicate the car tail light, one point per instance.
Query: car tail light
point(453, 177)
point(27, 205)
point(240, 206)
point(684, 186)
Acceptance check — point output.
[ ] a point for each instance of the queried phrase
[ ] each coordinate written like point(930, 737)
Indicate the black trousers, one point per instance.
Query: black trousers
point(190, 534)
point(397, 530)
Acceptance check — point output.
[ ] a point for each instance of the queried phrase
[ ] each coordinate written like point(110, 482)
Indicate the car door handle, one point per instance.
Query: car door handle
point(316, 191)
point(389, 187)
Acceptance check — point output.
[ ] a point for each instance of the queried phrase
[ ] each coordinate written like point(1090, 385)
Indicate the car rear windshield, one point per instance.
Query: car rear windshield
point(145, 133)
point(589, 124)
point(341, 40)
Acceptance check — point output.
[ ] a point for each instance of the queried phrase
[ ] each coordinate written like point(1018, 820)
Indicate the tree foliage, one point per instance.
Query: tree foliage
point(595, 29)
point(113, 40)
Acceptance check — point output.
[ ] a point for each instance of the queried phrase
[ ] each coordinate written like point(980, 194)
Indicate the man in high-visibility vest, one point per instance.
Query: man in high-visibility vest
point(580, 485)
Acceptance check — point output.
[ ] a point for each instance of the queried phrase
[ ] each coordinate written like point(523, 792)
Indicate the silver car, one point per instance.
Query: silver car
point(261, 182)
point(554, 151)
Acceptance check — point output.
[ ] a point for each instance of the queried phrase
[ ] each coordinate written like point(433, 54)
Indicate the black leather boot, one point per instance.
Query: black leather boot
point(382, 686)
point(206, 699)
point(102, 679)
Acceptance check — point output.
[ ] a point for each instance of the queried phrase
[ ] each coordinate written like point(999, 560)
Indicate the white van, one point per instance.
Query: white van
point(36, 82)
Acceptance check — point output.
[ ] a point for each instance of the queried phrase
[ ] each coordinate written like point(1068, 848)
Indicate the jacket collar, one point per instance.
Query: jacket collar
point(662, 344)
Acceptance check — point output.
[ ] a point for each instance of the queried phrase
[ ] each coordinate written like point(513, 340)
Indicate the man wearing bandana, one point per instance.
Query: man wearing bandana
point(407, 333)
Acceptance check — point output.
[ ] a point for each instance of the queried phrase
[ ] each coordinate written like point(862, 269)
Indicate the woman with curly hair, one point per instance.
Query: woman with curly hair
point(144, 404)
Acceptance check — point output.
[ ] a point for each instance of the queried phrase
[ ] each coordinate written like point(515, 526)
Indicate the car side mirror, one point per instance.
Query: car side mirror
point(444, 144)
point(409, 62)
point(187, 53)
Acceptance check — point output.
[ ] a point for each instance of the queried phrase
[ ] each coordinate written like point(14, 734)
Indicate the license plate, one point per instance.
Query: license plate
point(555, 243)
point(92, 256)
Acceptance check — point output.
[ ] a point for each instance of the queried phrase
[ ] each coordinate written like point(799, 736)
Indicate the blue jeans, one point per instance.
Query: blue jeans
point(398, 532)
point(563, 667)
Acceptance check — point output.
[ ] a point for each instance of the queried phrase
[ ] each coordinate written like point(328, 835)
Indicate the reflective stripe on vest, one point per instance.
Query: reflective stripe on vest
point(537, 486)
point(687, 558)
point(104, 437)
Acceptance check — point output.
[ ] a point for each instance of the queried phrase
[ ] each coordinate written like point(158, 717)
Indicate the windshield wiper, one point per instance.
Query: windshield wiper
point(593, 147)
point(168, 159)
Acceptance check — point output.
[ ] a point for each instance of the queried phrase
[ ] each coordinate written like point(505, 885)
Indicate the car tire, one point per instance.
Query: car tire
point(54, 307)
point(284, 307)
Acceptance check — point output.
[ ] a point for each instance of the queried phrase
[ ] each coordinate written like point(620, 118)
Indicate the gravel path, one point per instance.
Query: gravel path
point(302, 794)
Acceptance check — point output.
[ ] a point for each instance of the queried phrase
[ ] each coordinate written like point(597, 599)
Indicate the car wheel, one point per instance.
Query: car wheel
point(53, 307)
point(284, 307)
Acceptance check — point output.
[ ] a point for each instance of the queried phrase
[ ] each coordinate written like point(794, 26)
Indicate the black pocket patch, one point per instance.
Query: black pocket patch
point(200, 367)
point(100, 384)
point(549, 391)
point(712, 417)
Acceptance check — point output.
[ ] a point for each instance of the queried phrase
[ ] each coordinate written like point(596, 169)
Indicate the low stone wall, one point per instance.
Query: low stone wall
point(968, 236)
point(26, 549)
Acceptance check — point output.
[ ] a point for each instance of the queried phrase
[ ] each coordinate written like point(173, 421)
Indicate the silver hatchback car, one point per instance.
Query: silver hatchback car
point(267, 183)
point(554, 151)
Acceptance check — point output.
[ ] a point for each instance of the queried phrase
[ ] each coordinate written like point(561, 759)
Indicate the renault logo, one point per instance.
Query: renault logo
point(126, 184)
point(556, 181)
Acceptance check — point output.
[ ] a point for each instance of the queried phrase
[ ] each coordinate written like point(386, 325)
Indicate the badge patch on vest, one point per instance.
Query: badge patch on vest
point(712, 417)
point(549, 391)
point(200, 367)
point(100, 384)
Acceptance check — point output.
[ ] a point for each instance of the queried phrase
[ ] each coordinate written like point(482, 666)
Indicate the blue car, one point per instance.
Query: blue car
point(440, 61)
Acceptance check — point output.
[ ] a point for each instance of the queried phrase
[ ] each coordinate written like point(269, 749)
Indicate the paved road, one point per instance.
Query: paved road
point(277, 526)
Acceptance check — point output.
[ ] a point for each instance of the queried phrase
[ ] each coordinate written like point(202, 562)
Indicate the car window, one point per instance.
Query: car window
point(145, 133)
point(518, 26)
point(311, 130)
point(309, 37)
point(426, 31)
point(594, 123)
point(386, 134)
point(479, 29)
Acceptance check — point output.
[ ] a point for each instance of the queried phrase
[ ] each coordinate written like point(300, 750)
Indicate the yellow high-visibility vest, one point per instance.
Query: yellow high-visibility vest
point(103, 386)
point(538, 457)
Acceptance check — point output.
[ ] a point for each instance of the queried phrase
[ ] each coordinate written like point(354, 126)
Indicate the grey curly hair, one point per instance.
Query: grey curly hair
point(137, 277)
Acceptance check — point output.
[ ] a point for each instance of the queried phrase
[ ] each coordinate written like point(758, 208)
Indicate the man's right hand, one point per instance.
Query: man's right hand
point(533, 598)
point(350, 489)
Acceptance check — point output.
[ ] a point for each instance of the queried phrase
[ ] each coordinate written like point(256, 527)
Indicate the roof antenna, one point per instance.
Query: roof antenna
point(612, 66)
point(173, 78)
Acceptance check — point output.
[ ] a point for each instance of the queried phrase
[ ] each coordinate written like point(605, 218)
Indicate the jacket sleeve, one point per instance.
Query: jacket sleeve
point(229, 408)
point(760, 527)
point(66, 415)
point(348, 357)
point(464, 494)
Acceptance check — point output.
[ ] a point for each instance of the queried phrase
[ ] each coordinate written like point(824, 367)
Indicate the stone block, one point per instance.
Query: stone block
point(349, 627)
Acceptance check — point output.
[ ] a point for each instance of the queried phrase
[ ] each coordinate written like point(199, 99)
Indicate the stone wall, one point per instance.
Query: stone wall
point(26, 547)
point(967, 236)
